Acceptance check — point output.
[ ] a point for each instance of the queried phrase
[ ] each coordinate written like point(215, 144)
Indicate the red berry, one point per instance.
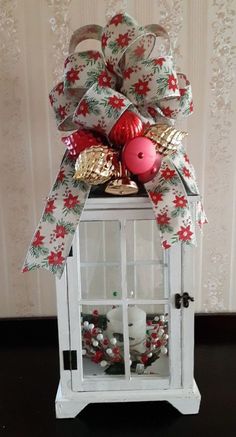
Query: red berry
point(95, 313)
point(116, 350)
point(144, 359)
point(97, 357)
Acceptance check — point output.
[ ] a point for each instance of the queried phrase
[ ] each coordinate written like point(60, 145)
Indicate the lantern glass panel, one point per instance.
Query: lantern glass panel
point(102, 341)
point(100, 259)
point(148, 340)
point(146, 267)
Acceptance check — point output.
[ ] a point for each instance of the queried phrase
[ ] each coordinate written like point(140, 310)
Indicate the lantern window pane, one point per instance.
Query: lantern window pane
point(102, 341)
point(143, 241)
point(146, 269)
point(100, 259)
point(148, 340)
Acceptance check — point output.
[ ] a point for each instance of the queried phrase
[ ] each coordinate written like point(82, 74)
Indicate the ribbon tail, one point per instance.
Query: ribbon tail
point(188, 176)
point(53, 237)
point(201, 217)
point(170, 204)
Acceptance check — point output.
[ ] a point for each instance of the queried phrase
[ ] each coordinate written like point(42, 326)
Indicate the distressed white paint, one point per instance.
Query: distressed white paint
point(34, 40)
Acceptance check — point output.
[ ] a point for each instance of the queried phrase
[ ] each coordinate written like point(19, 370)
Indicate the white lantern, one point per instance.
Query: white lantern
point(125, 317)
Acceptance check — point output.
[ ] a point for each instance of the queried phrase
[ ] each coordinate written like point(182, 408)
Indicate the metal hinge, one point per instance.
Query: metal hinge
point(185, 297)
point(70, 360)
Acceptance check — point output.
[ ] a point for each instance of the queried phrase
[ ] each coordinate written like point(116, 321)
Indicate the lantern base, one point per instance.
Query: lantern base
point(186, 401)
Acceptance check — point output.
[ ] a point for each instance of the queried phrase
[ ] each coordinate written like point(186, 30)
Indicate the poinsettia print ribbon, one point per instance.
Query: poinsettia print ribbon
point(168, 192)
point(53, 237)
point(125, 72)
point(170, 205)
point(96, 88)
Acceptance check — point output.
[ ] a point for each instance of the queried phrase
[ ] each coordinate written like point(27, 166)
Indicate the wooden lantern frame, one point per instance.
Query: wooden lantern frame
point(179, 388)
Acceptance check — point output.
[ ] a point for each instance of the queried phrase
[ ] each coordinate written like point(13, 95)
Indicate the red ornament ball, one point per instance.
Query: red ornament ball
point(80, 140)
point(127, 127)
point(150, 174)
point(139, 155)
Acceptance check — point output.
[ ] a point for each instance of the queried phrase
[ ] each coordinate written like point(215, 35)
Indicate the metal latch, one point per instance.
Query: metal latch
point(185, 297)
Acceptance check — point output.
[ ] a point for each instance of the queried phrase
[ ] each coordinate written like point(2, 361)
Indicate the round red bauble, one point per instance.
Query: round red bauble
point(127, 127)
point(149, 175)
point(139, 155)
point(80, 140)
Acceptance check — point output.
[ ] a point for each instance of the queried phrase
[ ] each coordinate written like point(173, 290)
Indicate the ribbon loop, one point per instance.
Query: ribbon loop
point(64, 106)
point(83, 69)
point(100, 109)
point(150, 81)
point(123, 36)
point(93, 31)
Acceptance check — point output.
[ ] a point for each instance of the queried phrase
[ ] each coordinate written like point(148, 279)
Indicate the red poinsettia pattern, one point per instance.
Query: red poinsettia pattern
point(83, 108)
point(123, 40)
point(180, 201)
point(104, 79)
point(72, 75)
point(56, 258)
point(38, 239)
point(170, 204)
point(185, 234)
point(53, 237)
point(116, 102)
point(141, 87)
point(172, 82)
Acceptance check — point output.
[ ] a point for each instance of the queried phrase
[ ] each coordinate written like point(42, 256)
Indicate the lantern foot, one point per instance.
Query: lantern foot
point(188, 404)
point(67, 408)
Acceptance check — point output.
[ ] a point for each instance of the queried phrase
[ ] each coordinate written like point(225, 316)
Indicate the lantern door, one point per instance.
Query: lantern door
point(124, 327)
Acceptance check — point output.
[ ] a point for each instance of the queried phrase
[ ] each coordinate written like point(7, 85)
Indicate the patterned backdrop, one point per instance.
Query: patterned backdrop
point(34, 37)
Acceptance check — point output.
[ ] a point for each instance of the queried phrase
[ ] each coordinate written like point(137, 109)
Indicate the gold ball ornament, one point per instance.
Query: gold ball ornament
point(96, 165)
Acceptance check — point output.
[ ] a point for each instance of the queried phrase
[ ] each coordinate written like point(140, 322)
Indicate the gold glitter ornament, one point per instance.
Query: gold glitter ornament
point(96, 165)
point(167, 138)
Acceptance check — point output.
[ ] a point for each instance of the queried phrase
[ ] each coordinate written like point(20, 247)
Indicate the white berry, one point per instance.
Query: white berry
point(83, 351)
point(100, 337)
point(156, 318)
point(95, 343)
point(109, 351)
point(149, 355)
point(91, 326)
point(166, 336)
point(103, 363)
point(162, 318)
point(164, 350)
point(130, 362)
point(113, 340)
point(161, 332)
point(86, 325)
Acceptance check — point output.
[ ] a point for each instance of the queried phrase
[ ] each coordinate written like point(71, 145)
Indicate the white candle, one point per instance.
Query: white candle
point(136, 327)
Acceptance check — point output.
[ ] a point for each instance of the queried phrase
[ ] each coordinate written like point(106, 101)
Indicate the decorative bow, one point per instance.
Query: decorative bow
point(97, 88)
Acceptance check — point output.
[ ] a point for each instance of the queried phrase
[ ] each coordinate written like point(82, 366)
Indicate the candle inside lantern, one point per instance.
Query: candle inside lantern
point(136, 327)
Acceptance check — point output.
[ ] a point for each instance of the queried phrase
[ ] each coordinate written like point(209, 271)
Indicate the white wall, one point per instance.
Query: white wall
point(33, 44)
